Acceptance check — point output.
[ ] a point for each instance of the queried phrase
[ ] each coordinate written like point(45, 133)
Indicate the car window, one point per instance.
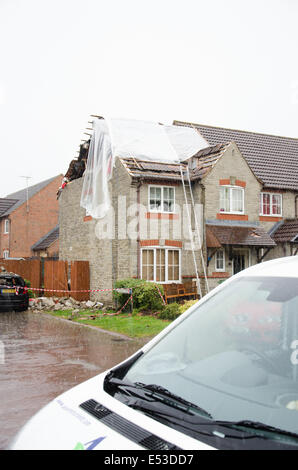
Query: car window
point(235, 355)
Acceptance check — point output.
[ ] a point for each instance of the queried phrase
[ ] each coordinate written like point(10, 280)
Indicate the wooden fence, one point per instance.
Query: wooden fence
point(27, 269)
point(50, 275)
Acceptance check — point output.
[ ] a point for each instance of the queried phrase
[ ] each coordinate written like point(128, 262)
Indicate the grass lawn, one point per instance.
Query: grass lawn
point(133, 325)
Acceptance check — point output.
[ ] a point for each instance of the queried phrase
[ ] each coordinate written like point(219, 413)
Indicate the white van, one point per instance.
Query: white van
point(224, 375)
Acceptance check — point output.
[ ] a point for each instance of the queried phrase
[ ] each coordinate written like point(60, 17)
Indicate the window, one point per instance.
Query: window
point(161, 198)
point(270, 204)
point(5, 254)
point(6, 226)
point(231, 199)
point(220, 260)
point(161, 264)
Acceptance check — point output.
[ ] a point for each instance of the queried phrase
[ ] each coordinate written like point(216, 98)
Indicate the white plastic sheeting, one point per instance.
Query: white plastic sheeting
point(142, 140)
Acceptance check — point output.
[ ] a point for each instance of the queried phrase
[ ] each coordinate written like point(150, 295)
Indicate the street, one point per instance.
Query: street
point(42, 357)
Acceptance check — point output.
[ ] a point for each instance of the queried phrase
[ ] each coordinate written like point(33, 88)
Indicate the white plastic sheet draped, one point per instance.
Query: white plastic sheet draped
point(142, 140)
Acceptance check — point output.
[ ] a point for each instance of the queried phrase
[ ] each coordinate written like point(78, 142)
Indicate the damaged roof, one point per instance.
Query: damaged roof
point(153, 170)
point(218, 235)
point(273, 159)
point(201, 163)
point(46, 240)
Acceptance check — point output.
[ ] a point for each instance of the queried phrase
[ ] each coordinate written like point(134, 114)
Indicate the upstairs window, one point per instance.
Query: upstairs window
point(5, 254)
point(270, 204)
point(6, 226)
point(161, 199)
point(231, 199)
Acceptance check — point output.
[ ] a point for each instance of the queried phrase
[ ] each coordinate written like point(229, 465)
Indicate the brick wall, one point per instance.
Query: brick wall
point(81, 238)
point(26, 228)
point(232, 169)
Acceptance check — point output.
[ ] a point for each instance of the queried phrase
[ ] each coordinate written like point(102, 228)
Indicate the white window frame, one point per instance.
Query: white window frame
point(6, 226)
point(270, 203)
point(167, 248)
point(161, 187)
point(223, 261)
point(5, 254)
point(230, 187)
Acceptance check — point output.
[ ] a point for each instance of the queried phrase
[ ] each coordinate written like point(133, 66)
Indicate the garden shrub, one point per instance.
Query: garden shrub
point(187, 305)
point(145, 294)
point(170, 312)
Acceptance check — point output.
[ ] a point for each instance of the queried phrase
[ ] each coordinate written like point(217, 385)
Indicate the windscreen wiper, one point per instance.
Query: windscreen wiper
point(185, 421)
point(153, 392)
point(261, 429)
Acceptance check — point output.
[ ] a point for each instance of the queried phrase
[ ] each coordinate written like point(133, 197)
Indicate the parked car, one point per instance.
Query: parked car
point(202, 383)
point(13, 292)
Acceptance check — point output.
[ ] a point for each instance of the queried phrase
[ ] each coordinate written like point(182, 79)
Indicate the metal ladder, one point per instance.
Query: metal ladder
point(191, 232)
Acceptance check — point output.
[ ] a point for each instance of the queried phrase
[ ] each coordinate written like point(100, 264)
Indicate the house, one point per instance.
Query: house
point(273, 161)
point(27, 216)
point(48, 245)
point(242, 201)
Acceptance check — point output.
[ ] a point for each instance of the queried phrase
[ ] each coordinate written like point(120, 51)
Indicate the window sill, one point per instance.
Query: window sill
point(270, 218)
point(231, 216)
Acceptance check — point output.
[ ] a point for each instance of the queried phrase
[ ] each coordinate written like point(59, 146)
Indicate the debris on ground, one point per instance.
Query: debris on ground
point(62, 303)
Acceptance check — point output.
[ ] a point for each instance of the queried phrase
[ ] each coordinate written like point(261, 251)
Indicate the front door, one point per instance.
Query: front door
point(238, 262)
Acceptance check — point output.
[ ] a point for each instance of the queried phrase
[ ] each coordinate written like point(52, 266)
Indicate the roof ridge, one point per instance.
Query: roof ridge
point(237, 130)
point(48, 180)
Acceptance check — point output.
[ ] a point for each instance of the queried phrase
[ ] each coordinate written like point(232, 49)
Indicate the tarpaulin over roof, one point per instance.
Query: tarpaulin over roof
point(124, 138)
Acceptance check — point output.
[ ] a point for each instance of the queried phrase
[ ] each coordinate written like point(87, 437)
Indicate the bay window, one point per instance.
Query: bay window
point(231, 199)
point(161, 264)
point(270, 204)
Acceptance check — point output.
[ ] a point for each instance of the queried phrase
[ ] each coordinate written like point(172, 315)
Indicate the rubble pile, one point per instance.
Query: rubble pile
point(62, 303)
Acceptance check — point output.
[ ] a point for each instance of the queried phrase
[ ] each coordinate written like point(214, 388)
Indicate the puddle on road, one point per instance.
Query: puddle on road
point(44, 357)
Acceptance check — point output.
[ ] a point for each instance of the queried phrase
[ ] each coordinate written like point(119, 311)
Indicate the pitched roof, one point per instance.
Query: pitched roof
point(46, 240)
point(273, 159)
point(218, 235)
point(286, 232)
point(6, 204)
point(201, 163)
point(21, 196)
point(205, 159)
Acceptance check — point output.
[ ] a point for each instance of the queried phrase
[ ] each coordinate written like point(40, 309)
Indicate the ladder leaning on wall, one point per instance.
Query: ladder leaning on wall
point(185, 184)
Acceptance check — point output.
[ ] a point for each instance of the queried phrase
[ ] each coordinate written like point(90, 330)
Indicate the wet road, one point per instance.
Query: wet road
point(41, 357)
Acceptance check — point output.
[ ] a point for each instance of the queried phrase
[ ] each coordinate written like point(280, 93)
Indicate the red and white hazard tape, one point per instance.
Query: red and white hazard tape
point(87, 290)
point(69, 291)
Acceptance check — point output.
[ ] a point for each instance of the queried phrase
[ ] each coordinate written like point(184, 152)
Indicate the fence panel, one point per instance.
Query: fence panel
point(55, 278)
point(80, 279)
point(29, 269)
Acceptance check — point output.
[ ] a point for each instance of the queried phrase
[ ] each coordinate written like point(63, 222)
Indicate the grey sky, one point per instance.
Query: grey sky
point(225, 63)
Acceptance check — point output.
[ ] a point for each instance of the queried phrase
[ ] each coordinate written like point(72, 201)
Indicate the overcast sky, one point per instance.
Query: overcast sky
point(230, 63)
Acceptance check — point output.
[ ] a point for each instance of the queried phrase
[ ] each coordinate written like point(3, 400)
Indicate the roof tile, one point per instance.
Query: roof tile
point(273, 159)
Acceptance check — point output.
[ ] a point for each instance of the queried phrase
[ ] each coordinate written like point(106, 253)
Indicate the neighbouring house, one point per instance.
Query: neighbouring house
point(27, 217)
point(48, 245)
point(268, 202)
point(245, 187)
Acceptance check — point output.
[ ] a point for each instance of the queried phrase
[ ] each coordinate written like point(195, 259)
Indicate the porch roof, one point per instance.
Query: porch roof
point(286, 232)
point(218, 235)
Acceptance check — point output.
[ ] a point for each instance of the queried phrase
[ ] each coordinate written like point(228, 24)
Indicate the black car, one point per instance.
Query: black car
point(13, 292)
